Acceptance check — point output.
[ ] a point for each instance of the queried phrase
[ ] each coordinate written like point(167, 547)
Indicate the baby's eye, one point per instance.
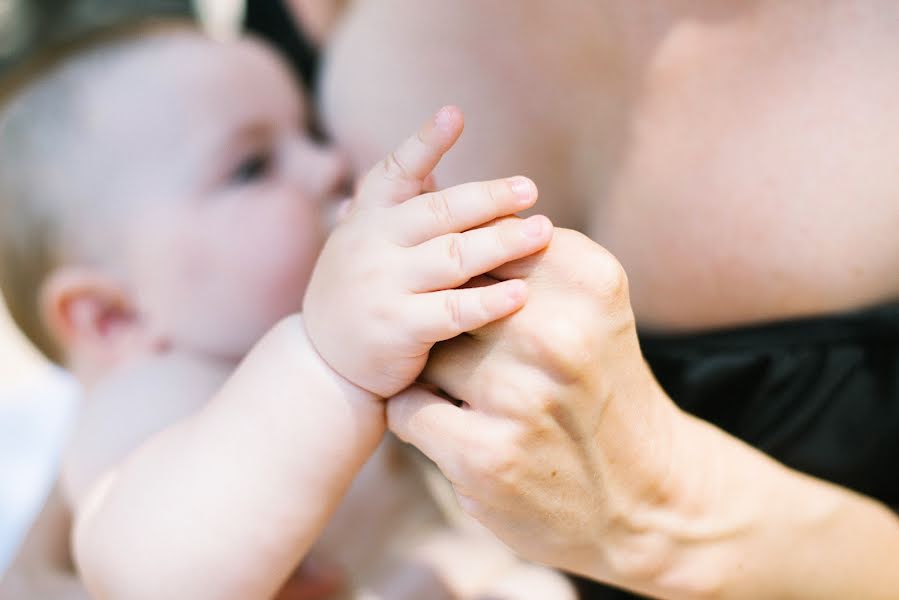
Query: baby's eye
point(252, 168)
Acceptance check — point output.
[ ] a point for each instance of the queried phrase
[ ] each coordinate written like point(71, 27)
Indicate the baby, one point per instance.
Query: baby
point(162, 222)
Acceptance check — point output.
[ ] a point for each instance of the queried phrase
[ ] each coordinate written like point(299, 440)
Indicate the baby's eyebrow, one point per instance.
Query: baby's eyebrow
point(253, 131)
point(234, 140)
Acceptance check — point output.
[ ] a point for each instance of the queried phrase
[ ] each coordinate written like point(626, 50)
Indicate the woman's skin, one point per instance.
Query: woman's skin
point(740, 158)
point(740, 161)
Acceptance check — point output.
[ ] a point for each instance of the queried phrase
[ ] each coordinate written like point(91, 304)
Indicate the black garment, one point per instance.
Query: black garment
point(820, 395)
point(272, 20)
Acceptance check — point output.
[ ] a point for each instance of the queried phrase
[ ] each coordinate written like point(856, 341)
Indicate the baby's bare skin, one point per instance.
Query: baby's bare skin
point(738, 158)
point(223, 463)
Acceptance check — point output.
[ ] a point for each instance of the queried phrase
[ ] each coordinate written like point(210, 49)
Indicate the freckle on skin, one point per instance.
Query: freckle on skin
point(554, 473)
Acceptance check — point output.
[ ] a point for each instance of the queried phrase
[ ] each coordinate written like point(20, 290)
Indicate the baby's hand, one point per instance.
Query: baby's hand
point(383, 290)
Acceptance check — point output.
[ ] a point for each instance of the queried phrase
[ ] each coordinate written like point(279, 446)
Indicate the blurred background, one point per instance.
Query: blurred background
point(38, 400)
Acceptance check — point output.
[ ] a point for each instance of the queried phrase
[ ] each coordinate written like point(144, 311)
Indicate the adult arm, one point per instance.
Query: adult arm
point(569, 450)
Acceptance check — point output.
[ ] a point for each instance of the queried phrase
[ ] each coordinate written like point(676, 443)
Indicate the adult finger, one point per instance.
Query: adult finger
point(460, 208)
point(404, 172)
point(434, 425)
point(454, 367)
point(451, 260)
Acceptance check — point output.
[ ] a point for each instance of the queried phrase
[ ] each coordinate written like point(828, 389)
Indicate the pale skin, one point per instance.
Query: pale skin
point(244, 441)
point(720, 152)
point(154, 333)
point(576, 458)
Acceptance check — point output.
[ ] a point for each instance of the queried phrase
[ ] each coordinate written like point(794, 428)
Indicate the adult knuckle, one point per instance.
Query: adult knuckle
point(543, 404)
point(530, 331)
point(604, 274)
point(493, 385)
point(565, 345)
point(616, 283)
point(499, 465)
point(596, 269)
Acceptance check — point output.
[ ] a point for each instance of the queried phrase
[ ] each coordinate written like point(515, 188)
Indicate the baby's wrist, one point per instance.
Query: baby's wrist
point(324, 384)
point(294, 327)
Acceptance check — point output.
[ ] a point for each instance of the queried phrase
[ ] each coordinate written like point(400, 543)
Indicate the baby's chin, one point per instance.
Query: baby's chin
point(228, 340)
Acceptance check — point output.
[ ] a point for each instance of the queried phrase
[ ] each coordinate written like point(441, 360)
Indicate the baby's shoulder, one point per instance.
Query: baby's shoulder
point(129, 405)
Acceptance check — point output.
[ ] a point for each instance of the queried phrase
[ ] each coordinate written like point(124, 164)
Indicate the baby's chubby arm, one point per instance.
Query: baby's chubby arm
point(225, 503)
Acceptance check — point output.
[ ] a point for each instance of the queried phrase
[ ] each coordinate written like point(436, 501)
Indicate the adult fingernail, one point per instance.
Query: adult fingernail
point(534, 227)
point(523, 188)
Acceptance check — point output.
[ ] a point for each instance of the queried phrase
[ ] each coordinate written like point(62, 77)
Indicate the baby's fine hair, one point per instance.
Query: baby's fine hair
point(45, 187)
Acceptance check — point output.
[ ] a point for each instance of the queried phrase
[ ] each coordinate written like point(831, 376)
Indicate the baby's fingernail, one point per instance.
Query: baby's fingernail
point(535, 226)
point(523, 188)
point(443, 119)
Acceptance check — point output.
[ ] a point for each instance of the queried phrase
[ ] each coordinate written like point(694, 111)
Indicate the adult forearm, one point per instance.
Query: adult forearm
point(737, 524)
point(226, 503)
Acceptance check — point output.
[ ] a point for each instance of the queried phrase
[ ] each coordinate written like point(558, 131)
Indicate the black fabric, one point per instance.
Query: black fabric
point(820, 395)
point(272, 20)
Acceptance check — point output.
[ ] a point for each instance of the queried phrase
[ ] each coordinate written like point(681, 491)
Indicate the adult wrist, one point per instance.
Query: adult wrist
point(685, 528)
point(728, 521)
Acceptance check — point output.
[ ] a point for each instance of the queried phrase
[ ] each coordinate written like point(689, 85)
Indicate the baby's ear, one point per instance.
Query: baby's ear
point(90, 316)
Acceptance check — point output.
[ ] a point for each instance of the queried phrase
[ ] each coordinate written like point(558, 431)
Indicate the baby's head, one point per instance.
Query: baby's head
point(157, 188)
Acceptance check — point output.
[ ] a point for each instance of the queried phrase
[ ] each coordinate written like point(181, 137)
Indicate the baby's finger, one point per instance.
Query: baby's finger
point(403, 173)
point(442, 315)
point(460, 208)
point(450, 260)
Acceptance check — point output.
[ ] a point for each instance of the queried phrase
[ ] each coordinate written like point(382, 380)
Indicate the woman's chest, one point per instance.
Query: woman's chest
point(740, 159)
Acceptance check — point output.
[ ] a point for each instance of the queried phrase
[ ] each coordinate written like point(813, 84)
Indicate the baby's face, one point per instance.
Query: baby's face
point(230, 192)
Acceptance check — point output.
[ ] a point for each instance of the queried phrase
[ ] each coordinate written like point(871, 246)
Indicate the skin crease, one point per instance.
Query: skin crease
point(738, 160)
point(205, 232)
point(214, 247)
point(874, 279)
point(727, 153)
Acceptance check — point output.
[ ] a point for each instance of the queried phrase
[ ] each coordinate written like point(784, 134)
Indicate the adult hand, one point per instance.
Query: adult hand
point(563, 442)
